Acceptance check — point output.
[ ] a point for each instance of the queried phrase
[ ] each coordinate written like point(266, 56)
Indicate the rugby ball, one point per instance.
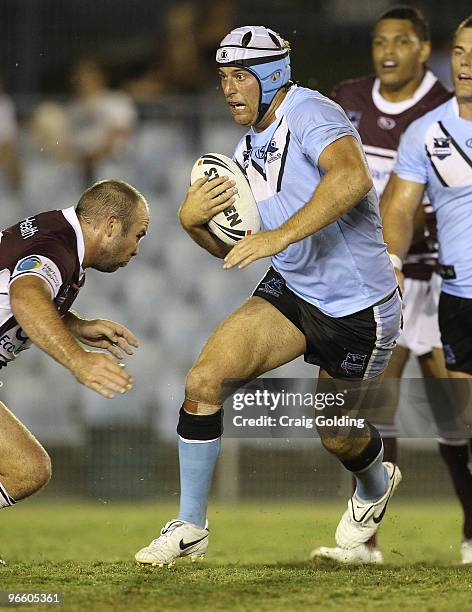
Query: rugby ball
point(239, 220)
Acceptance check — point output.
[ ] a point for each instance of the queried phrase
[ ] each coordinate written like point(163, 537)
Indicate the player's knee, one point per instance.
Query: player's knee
point(43, 470)
point(203, 383)
point(34, 474)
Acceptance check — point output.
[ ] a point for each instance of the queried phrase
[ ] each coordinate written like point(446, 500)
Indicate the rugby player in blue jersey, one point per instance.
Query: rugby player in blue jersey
point(382, 106)
point(435, 154)
point(330, 293)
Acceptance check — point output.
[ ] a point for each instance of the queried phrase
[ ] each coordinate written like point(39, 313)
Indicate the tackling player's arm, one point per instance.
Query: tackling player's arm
point(33, 309)
point(102, 334)
point(346, 180)
point(203, 201)
point(405, 197)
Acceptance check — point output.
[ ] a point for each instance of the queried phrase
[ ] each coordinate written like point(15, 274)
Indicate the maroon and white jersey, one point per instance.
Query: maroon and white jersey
point(49, 245)
point(380, 124)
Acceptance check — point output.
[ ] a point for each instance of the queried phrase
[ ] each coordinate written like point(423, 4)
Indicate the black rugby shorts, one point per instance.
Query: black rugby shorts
point(455, 323)
point(356, 346)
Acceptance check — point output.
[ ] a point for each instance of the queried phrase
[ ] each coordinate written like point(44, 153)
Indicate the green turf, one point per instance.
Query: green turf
point(256, 558)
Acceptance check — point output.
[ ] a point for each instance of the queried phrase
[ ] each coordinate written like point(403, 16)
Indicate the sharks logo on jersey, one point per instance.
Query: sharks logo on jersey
point(451, 164)
point(269, 153)
point(433, 151)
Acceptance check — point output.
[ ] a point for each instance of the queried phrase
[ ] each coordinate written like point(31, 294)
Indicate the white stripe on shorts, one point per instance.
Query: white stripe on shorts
point(387, 319)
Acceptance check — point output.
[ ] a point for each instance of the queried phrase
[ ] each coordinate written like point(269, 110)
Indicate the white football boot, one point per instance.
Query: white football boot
point(177, 539)
point(466, 552)
point(359, 554)
point(362, 518)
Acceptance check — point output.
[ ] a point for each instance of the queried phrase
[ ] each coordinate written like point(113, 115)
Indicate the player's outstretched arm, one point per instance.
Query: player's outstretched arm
point(398, 219)
point(345, 182)
point(203, 201)
point(35, 312)
point(102, 334)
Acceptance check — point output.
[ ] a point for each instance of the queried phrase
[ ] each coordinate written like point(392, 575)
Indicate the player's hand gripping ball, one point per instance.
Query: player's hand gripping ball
point(241, 218)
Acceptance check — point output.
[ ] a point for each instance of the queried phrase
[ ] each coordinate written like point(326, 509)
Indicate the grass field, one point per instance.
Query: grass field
point(256, 560)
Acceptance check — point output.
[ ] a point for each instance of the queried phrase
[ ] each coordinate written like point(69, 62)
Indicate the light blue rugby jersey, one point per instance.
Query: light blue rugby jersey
point(436, 150)
point(344, 267)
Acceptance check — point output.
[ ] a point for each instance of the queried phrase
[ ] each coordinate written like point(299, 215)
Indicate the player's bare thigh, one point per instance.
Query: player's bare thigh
point(24, 464)
point(254, 339)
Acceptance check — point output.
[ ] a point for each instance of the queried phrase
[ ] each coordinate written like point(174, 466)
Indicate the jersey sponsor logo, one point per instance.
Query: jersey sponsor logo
point(28, 228)
point(354, 363)
point(49, 271)
point(13, 343)
point(6, 344)
point(42, 266)
point(386, 123)
point(441, 147)
point(29, 263)
point(354, 117)
point(273, 153)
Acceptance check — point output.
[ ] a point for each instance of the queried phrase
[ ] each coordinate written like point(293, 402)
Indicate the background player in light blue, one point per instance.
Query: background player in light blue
point(336, 300)
point(436, 154)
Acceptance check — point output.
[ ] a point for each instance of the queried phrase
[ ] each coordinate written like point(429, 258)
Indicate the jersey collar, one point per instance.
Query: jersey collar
point(455, 107)
point(71, 217)
point(395, 108)
point(278, 113)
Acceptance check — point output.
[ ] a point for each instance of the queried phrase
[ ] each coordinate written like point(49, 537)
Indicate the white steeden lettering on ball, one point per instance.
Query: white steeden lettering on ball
point(241, 218)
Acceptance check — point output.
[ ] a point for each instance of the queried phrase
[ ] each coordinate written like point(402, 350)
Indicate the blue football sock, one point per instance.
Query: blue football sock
point(197, 463)
point(372, 481)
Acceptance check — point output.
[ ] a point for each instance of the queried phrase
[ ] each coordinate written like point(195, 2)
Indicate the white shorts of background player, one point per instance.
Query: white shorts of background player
point(420, 315)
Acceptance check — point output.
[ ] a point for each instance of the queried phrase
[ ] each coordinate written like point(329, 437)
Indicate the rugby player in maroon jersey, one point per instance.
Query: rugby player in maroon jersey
point(42, 263)
point(381, 107)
